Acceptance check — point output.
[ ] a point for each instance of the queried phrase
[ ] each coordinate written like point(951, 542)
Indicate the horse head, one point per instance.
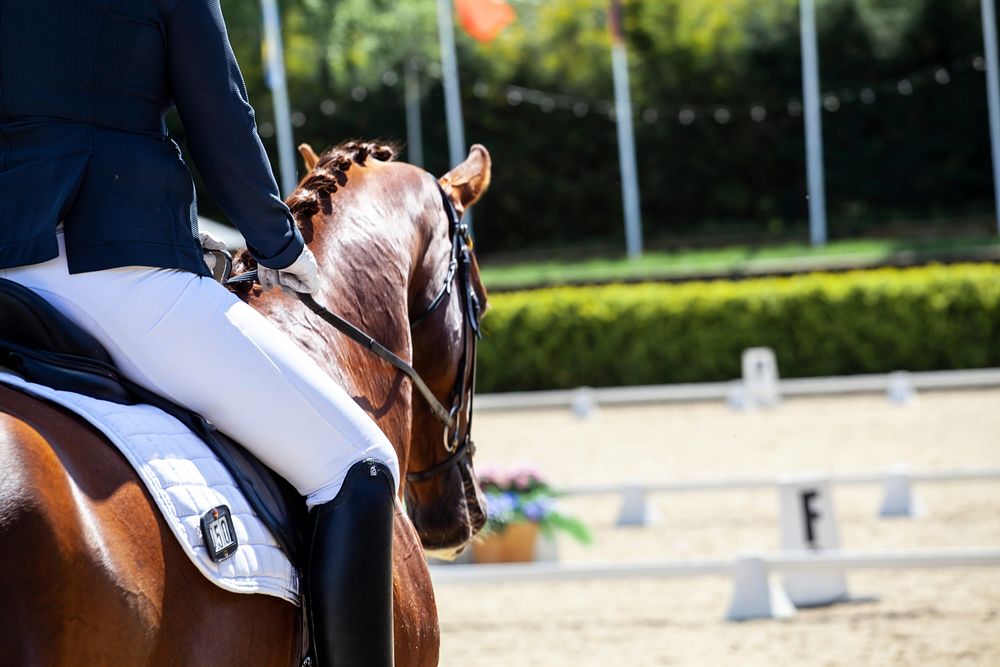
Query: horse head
point(395, 262)
point(443, 498)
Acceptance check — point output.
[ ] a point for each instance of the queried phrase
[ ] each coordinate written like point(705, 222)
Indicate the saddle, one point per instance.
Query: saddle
point(45, 347)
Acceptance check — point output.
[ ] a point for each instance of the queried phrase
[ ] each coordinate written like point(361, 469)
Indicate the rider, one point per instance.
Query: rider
point(98, 215)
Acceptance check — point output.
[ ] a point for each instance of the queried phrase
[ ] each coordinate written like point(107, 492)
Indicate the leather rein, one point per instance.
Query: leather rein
point(459, 273)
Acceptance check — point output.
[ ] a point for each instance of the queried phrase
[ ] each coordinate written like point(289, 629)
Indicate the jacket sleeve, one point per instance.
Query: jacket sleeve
point(211, 98)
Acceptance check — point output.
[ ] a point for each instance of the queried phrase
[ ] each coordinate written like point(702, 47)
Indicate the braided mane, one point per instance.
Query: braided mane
point(330, 173)
point(313, 193)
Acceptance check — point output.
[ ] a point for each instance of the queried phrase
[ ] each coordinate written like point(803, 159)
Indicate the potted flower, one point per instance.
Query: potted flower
point(520, 504)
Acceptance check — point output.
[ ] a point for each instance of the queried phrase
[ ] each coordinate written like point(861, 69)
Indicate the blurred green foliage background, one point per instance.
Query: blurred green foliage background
point(915, 159)
point(927, 318)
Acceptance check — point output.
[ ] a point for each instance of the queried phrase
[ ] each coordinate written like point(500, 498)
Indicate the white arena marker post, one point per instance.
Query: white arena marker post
point(546, 549)
point(899, 388)
point(754, 594)
point(736, 395)
point(897, 499)
point(808, 523)
point(760, 377)
point(583, 404)
point(635, 509)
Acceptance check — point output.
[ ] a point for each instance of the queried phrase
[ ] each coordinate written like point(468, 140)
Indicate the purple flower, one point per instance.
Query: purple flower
point(536, 510)
point(500, 506)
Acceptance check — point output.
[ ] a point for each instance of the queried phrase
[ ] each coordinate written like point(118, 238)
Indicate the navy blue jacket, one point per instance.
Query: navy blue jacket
point(85, 86)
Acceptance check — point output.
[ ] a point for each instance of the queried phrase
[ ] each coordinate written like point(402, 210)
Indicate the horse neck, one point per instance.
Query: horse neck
point(366, 257)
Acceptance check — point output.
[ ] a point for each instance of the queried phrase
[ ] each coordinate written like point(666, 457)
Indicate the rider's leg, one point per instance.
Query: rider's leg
point(349, 583)
point(188, 338)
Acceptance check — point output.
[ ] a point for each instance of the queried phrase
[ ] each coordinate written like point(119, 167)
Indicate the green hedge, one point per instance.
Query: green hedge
point(929, 318)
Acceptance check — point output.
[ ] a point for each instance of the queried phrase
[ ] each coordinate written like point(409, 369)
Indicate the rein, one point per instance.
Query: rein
point(459, 267)
point(445, 415)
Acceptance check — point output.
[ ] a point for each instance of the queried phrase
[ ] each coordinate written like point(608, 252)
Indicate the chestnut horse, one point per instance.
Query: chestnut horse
point(89, 572)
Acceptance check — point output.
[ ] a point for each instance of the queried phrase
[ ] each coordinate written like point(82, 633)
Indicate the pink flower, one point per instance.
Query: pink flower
point(490, 475)
point(520, 477)
point(526, 475)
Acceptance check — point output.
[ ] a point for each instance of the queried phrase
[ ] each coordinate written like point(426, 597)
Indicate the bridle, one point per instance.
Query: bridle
point(456, 444)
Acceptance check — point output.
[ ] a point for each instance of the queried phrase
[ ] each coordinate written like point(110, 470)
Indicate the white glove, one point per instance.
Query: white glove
point(302, 275)
point(210, 242)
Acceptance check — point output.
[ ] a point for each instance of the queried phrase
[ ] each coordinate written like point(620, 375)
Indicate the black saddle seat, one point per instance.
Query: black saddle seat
point(48, 348)
point(45, 347)
point(29, 320)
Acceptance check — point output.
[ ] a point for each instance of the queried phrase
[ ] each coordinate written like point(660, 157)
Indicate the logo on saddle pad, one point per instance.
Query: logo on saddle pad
point(217, 531)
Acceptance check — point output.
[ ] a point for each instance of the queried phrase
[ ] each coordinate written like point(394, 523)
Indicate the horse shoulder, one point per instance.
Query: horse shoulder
point(98, 577)
point(417, 631)
point(28, 545)
point(25, 460)
point(64, 546)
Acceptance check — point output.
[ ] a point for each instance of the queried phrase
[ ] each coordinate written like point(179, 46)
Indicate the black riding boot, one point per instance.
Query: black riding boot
point(349, 582)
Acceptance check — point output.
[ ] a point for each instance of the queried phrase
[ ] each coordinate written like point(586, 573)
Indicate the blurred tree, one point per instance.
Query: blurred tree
point(918, 150)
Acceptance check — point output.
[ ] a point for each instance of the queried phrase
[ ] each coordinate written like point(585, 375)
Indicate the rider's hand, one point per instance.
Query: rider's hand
point(302, 275)
point(210, 242)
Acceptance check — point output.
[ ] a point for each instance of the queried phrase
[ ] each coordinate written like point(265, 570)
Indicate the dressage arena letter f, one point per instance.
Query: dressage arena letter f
point(810, 516)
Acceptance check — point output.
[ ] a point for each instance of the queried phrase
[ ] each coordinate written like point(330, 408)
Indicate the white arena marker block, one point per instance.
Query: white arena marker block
point(635, 509)
point(546, 549)
point(736, 396)
point(755, 595)
point(897, 499)
point(760, 377)
point(808, 523)
point(583, 404)
point(899, 388)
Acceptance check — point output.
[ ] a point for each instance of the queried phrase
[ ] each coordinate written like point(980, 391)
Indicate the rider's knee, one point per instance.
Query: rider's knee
point(379, 448)
point(382, 450)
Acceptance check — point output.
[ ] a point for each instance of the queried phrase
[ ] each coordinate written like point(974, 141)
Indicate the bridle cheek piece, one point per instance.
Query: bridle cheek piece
point(459, 273)
point(457, 445)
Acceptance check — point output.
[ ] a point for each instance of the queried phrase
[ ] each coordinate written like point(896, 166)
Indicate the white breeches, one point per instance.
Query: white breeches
point(187, 338)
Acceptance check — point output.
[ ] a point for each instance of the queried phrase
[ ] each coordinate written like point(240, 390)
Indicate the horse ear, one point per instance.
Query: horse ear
point(309, 155)
point(467, 182)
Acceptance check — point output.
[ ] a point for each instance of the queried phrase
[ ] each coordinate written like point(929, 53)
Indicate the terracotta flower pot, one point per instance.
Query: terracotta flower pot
point(516, 544)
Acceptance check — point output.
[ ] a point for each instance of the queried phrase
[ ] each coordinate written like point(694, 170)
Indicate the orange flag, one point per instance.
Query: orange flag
point(484, 19)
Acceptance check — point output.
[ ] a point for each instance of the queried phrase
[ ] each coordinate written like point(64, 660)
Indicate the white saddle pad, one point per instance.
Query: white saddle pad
point(186, 480)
